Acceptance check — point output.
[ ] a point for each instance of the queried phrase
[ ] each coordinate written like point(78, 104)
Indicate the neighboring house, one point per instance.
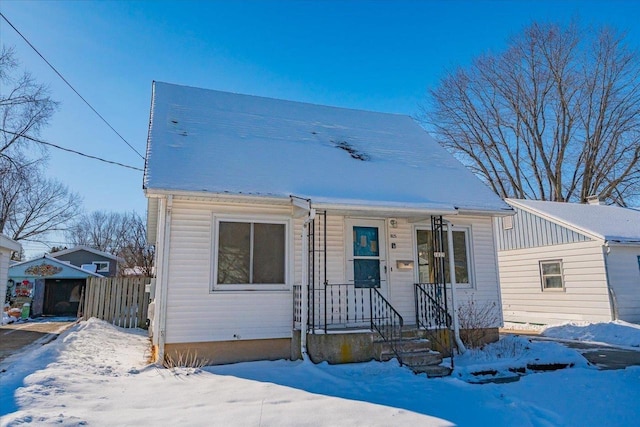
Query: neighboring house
point(7, 247)
point(569, 262)
point(103, 263)
point(50, 285)
point(267, 212)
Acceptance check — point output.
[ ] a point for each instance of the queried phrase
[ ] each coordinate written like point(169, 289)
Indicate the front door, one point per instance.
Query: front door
point(366, 255)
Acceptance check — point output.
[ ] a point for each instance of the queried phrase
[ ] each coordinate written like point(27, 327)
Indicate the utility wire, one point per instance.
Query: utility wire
point(69, 84)
point(73, 151)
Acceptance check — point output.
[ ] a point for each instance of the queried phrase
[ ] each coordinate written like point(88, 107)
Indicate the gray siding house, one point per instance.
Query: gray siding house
point(569, 262)
point(103, 263)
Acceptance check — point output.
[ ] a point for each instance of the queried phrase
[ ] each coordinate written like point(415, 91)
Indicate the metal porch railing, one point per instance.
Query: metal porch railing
point(431, 306)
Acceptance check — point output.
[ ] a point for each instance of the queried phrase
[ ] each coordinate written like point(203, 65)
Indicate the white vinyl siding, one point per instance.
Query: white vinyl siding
point(484, 287)
point(194, 314)
point(624, 278)
point(585, 295)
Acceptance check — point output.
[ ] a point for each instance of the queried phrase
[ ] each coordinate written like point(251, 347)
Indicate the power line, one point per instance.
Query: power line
point(73, 151)
point(69, 84)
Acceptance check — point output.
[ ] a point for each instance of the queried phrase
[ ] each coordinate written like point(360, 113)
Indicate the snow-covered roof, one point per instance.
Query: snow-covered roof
point(612, 223)
point(86, 249)
point(224, 143)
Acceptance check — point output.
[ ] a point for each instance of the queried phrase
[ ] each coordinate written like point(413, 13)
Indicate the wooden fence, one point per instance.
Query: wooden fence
point(121, 301)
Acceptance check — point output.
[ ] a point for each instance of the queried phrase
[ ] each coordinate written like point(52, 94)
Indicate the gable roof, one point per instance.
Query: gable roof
point(215, 142)
point(86, 249)
point(612, 223)
point(67, 270)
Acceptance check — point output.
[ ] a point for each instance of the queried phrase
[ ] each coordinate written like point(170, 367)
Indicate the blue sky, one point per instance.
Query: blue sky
point(373, 55)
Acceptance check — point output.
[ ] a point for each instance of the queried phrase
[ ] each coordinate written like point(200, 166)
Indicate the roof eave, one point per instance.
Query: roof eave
point(10, 244)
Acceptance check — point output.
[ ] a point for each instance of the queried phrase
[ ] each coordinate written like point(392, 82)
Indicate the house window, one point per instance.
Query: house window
point(250, 254)
point(461, 258)
point(551, 275)
point(101, 266)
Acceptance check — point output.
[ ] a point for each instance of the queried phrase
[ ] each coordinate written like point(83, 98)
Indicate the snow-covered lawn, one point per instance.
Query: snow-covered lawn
point(617, 333)
point(96, 374)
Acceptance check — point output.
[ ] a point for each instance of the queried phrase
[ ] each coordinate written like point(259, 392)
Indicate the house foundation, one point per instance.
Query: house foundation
point(223, 352)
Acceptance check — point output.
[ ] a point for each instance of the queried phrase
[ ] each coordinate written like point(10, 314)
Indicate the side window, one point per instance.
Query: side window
point(101, 266)
point(551, 275)
point(252, 254)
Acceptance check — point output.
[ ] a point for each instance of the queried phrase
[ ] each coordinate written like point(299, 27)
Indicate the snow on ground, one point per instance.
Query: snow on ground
point(97, 374)
point(515, 353)
point(524, 327)
point(616, 333)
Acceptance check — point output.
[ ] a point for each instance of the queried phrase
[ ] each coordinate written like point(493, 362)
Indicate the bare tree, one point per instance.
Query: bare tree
point(121, 234)
point(554, 117)
point(105, 231)
point(25, 105)
point(31, 205)
point(137, 254)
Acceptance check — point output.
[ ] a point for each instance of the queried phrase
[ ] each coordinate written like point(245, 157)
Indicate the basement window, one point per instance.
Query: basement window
point(551, 275)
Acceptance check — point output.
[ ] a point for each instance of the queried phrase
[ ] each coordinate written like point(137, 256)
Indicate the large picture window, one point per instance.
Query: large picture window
point(551, 275)
point(461, 259)
point(250, 253)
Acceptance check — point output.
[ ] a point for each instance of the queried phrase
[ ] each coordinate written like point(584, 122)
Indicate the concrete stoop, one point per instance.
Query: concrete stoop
point(414, 350)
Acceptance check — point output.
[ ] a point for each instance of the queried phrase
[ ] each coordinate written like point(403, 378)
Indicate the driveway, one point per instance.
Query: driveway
point(601, 355)
point(16, 337)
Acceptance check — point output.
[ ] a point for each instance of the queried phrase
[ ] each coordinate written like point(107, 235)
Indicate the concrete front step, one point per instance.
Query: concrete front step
point(414, 333)
point(415, 352)
point(432, 371)
point(404, 345)
point(422, 358)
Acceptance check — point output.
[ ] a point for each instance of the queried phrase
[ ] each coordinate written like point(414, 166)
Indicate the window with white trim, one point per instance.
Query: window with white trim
point(101, 266)
point(551, 275)
point(461, 256)
point(250, 254)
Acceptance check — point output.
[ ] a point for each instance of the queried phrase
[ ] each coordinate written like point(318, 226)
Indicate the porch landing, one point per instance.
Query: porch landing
point(414, 349)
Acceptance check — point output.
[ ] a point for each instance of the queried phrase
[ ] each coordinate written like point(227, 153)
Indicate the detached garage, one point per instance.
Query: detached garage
point(569, 262)
point(52, 287)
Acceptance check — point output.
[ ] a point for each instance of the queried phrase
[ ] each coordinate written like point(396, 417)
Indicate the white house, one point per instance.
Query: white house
point(569, 262)
point(7, 246)
point(266, 213)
